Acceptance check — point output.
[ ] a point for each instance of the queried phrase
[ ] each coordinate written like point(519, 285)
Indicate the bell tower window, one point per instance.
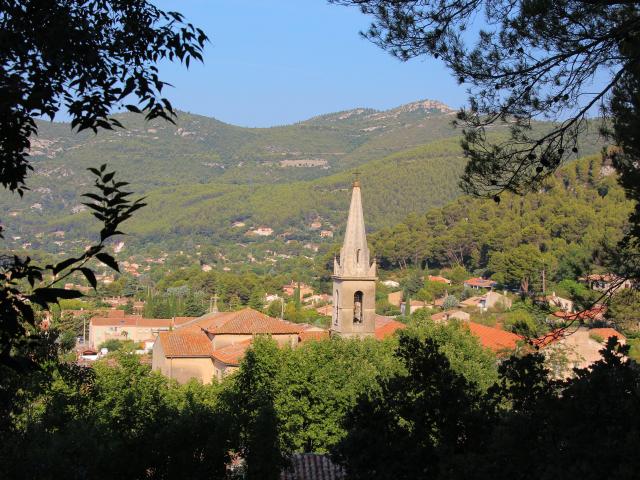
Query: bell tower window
point(357, 307)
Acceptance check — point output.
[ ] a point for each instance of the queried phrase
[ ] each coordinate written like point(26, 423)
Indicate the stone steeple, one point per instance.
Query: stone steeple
point(354, 254)
point(354, 278)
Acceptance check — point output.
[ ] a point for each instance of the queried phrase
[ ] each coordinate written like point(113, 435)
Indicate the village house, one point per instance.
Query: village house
point(391, 283)
point(489, 300)
point(316, 299)
point(554, 301)
point(326, 234)
point(606, 282)
point(213, 345)
point(415, 305)
point(579, 349)
point(450, 315)
point(116, 325)
point(305, 290)
point(478, 282)
point(395, 298)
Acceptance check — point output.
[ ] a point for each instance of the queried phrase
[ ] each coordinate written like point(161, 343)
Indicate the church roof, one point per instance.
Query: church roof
point(232, 354)
point(246, 321)
point(185, 344)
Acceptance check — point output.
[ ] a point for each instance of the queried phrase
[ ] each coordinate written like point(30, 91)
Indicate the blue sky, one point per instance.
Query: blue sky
point(278, 62)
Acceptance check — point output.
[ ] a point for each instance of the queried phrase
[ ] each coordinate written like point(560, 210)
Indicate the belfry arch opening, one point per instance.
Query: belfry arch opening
point(358, 307)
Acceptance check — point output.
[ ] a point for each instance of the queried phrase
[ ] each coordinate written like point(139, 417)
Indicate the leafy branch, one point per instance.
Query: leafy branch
point(111, 205)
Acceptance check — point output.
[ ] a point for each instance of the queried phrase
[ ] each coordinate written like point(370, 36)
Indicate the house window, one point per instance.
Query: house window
point(357, 307)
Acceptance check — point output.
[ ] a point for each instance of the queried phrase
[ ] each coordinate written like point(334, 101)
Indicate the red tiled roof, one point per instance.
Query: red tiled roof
point(605, 333)
point(232, 354)
point(115, 313)
point(387, 326)
point(249, 322)
point(185, 344)
point(480, 282)
point(594, 313)
point(439, 279)
point(181, 320)
point(493, 338)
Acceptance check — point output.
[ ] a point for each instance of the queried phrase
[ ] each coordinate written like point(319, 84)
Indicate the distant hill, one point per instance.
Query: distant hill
point(202, 175)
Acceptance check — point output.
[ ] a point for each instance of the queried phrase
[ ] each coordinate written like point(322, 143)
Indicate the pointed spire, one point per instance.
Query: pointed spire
point(354, 254)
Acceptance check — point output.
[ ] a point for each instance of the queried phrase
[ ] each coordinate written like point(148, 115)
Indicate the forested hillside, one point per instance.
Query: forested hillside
point(564, 229)
point(201, 176)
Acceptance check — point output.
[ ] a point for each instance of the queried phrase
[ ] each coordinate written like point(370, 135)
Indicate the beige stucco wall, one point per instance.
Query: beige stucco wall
point(496, 299)
point(221, 341)
point(98, 334)
point(182, 369)
point(221, 369)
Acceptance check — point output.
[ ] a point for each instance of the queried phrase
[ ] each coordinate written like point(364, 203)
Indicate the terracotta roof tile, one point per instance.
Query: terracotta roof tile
point(387, 326)
point(438, 279)
point(480, 282)
point(605, 333)
point(232, 354)
point(250, 322)
point(493, 338)
point(185, 344)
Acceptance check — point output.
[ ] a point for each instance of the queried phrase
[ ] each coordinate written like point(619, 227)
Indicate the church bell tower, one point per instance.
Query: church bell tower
point(354, 278)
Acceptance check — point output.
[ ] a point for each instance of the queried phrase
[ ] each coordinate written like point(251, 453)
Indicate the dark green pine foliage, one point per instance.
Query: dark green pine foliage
point(564, 228)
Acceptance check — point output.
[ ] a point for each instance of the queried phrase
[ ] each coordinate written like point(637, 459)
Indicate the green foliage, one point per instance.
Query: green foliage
point(465, 354)
point(570, 218)
point(114, 345)
point(582, 295)
point(413, 421)
point(431, 291)
point(449, 302)
point(523, 323)
point(516, 267)
point(67, 341)
point(155, 428)
point(624, 310)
